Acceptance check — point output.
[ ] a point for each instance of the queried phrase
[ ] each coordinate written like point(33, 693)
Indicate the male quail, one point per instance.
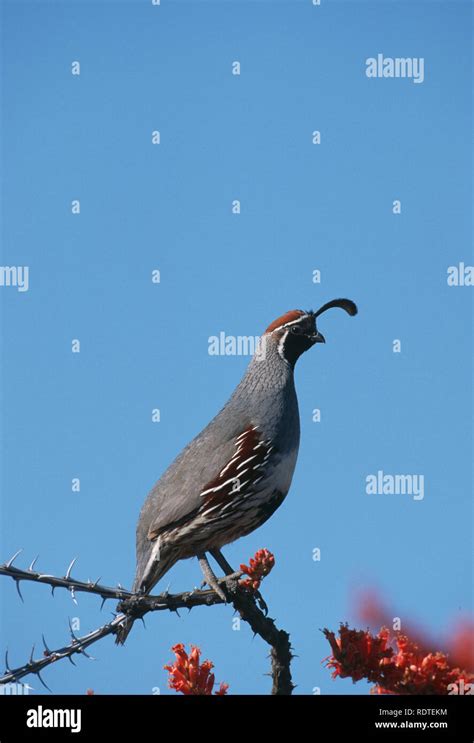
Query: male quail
point(232, 477)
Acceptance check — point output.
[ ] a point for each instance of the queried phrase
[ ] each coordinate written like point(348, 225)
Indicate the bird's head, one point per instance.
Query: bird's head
point(295, 331)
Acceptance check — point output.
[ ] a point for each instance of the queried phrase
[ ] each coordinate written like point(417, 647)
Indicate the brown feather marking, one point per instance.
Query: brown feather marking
point(248, 444)
point(287, 317)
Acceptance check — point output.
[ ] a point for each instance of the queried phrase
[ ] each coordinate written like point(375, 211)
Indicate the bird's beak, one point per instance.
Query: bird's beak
point(318, 337)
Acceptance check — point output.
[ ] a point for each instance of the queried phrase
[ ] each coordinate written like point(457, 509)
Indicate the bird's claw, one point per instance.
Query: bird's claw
point(231, 582)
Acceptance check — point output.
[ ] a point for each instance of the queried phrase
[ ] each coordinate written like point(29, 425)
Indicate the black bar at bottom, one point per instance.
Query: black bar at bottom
point(376, 717)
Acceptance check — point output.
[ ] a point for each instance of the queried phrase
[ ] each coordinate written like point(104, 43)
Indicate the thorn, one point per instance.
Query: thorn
point(104, 599)
point(45, 646)
point(143, 621)
point(17, 583)
point(68, 571)
point(167, 590)
point(86, 654)
point(12, 559)
point(74, 637)
point(94, 585)
point(6, 660)
point(45, 685)
point(53, 588)
point(31, 655)
point(70, 658)
point(30, 569)
point(73, 595)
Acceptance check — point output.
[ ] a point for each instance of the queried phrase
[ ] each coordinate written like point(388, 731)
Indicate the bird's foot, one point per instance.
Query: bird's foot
point(231, 581)
point(214, 586)
point(210, 578)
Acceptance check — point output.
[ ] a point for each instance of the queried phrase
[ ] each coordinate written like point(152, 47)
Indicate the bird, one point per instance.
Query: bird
point(232, 477)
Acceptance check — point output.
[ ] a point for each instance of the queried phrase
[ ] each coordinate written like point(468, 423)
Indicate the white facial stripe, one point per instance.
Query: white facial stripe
point(287, 324)
point(281, 345)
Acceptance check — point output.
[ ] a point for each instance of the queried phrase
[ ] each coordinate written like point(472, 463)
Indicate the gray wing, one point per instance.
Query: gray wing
point(177, 494)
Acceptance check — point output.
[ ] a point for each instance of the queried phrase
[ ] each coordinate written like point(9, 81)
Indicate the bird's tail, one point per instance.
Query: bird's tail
point(143, 584)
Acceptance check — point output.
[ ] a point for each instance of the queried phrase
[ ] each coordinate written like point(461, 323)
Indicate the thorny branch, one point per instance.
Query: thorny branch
point(244, 602)
point(77, 645)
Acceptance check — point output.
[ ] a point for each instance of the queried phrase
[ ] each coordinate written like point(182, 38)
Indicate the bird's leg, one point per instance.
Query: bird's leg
point(209, 576)
point(221, 561)
point(231, 576)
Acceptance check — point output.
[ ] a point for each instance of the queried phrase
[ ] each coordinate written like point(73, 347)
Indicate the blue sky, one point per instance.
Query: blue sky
point(304, 207)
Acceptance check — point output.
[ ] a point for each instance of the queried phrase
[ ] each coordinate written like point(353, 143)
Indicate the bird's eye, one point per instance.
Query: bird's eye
point(296, 329)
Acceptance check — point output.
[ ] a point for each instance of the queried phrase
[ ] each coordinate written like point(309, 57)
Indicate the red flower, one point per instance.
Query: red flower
point(458, 641)
point(357, 654)
point(189, 676)
point(403, 669)
point(260, 566)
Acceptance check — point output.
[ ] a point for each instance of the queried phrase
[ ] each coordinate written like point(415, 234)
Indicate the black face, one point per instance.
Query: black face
point(296, 331)
point(298, 337)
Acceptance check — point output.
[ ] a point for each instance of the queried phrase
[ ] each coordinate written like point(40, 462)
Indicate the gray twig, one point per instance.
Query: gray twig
point(244, 602)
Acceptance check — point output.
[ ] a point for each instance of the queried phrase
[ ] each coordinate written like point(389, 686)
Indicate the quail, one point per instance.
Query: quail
point(234, 474)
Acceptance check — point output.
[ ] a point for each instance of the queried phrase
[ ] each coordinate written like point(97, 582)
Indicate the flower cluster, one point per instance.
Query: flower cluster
point(260, 566)
point(189, 676)
point(403, 669)
point(457, 643)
